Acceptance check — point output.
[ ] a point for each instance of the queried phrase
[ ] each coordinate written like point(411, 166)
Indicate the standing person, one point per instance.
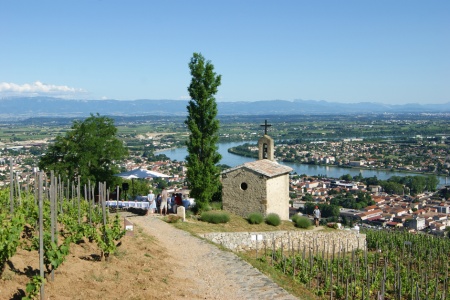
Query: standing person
point(316, 214)
point(169, 203)
point(158, 203)
point(151, 201)
point(173, 205)
point(164, 196)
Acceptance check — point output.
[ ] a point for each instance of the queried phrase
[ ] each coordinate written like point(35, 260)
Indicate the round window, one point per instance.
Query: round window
point(244, 186)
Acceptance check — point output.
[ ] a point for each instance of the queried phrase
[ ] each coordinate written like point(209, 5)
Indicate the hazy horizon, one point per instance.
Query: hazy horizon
point(390, 52)
point(220, 101)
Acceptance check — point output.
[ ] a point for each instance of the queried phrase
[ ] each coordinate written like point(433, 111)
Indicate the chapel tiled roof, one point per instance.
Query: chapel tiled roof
point(263, 166)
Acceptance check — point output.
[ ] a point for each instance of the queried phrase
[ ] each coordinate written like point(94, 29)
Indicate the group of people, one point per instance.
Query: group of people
point(163, 203)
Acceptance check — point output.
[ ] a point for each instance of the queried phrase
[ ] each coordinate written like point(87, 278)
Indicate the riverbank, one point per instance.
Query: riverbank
point(233, 160)
point(239, 153)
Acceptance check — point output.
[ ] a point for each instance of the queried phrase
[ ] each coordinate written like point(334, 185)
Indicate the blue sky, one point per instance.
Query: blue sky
point(386, 51)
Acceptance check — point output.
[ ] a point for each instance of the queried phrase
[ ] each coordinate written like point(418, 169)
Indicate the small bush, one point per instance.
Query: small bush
point(301, 222)
point(215, 217)
point(273, 219)
point(255, 218)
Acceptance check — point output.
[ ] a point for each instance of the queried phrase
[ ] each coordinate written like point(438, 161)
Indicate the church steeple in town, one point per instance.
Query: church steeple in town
point(266, 145)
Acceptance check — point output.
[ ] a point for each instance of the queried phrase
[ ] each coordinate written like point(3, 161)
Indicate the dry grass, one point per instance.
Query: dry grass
point(236, 224)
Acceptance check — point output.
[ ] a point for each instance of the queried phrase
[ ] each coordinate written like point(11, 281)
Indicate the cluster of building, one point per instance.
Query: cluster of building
point(416, 213)
point(19, 157)
point(422, 156)
point(423, 212)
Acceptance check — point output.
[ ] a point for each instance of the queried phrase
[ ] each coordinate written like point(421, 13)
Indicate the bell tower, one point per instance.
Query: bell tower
point(266, 145)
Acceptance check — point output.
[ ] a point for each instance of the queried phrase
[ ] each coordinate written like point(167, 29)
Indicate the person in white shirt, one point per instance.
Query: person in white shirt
point(152, 201)
point(164, 196)
point(316, 214)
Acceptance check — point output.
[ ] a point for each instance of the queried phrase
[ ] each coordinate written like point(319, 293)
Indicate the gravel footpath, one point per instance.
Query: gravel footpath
point(211, 272)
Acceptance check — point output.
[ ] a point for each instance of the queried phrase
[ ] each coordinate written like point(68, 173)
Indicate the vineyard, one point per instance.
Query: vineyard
point(53, 217)
point(395, 265)
point(49, 220)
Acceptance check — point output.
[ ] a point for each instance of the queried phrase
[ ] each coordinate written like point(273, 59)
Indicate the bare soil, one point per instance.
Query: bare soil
point(158, 261)
point(142, 268)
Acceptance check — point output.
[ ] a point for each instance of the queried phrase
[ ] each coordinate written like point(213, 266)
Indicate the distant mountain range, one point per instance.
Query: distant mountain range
point(21, 108)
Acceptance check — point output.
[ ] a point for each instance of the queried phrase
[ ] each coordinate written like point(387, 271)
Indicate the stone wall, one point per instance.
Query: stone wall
point(278, 196)
point(241, 201)
point(327, 242)
point(268, 142)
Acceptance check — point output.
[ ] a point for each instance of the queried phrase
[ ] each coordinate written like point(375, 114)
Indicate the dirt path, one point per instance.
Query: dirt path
point(207, 272)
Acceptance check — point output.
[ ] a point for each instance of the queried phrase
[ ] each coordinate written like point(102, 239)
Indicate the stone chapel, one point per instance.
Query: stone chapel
point(258, 186)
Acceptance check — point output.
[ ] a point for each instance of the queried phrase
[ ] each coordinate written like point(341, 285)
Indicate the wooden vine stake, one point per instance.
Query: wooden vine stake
point(41, 236)
point(52, 214)
point(11, 187)
point(102, 199)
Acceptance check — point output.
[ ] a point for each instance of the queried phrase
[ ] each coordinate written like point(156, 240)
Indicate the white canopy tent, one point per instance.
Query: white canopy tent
point(141, 173)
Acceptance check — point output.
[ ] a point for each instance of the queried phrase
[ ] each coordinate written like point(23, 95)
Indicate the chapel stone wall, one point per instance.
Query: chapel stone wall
point(278, 196)
point(244, 192)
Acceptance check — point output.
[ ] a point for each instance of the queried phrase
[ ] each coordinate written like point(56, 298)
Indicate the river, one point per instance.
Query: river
point(233, 160)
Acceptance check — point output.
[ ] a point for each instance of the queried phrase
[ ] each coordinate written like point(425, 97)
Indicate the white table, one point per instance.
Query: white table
point(128, 204)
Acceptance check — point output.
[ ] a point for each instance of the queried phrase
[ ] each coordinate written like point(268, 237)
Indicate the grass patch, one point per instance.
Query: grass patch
point(236, 224)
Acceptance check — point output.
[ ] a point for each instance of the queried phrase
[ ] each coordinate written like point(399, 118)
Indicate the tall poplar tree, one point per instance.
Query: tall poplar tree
point(202, 170)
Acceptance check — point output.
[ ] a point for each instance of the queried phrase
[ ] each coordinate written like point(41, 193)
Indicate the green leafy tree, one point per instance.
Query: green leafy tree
point(445, 192)
point(159, 183)
point(308, 197)
point(392, 187)
point(89, 150)
point(418, 184)
point(326, 210)
point(346, 177)
point(431, 183)
point(358, 177)
point(137, 187)
point(202, 170)
point(371, 180)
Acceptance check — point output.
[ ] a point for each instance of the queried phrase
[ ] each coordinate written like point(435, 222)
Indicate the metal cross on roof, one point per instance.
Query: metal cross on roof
point(265, 126)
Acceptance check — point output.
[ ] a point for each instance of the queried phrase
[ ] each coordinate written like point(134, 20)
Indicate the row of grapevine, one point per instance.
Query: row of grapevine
point(394, 265)
point(50, 219)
